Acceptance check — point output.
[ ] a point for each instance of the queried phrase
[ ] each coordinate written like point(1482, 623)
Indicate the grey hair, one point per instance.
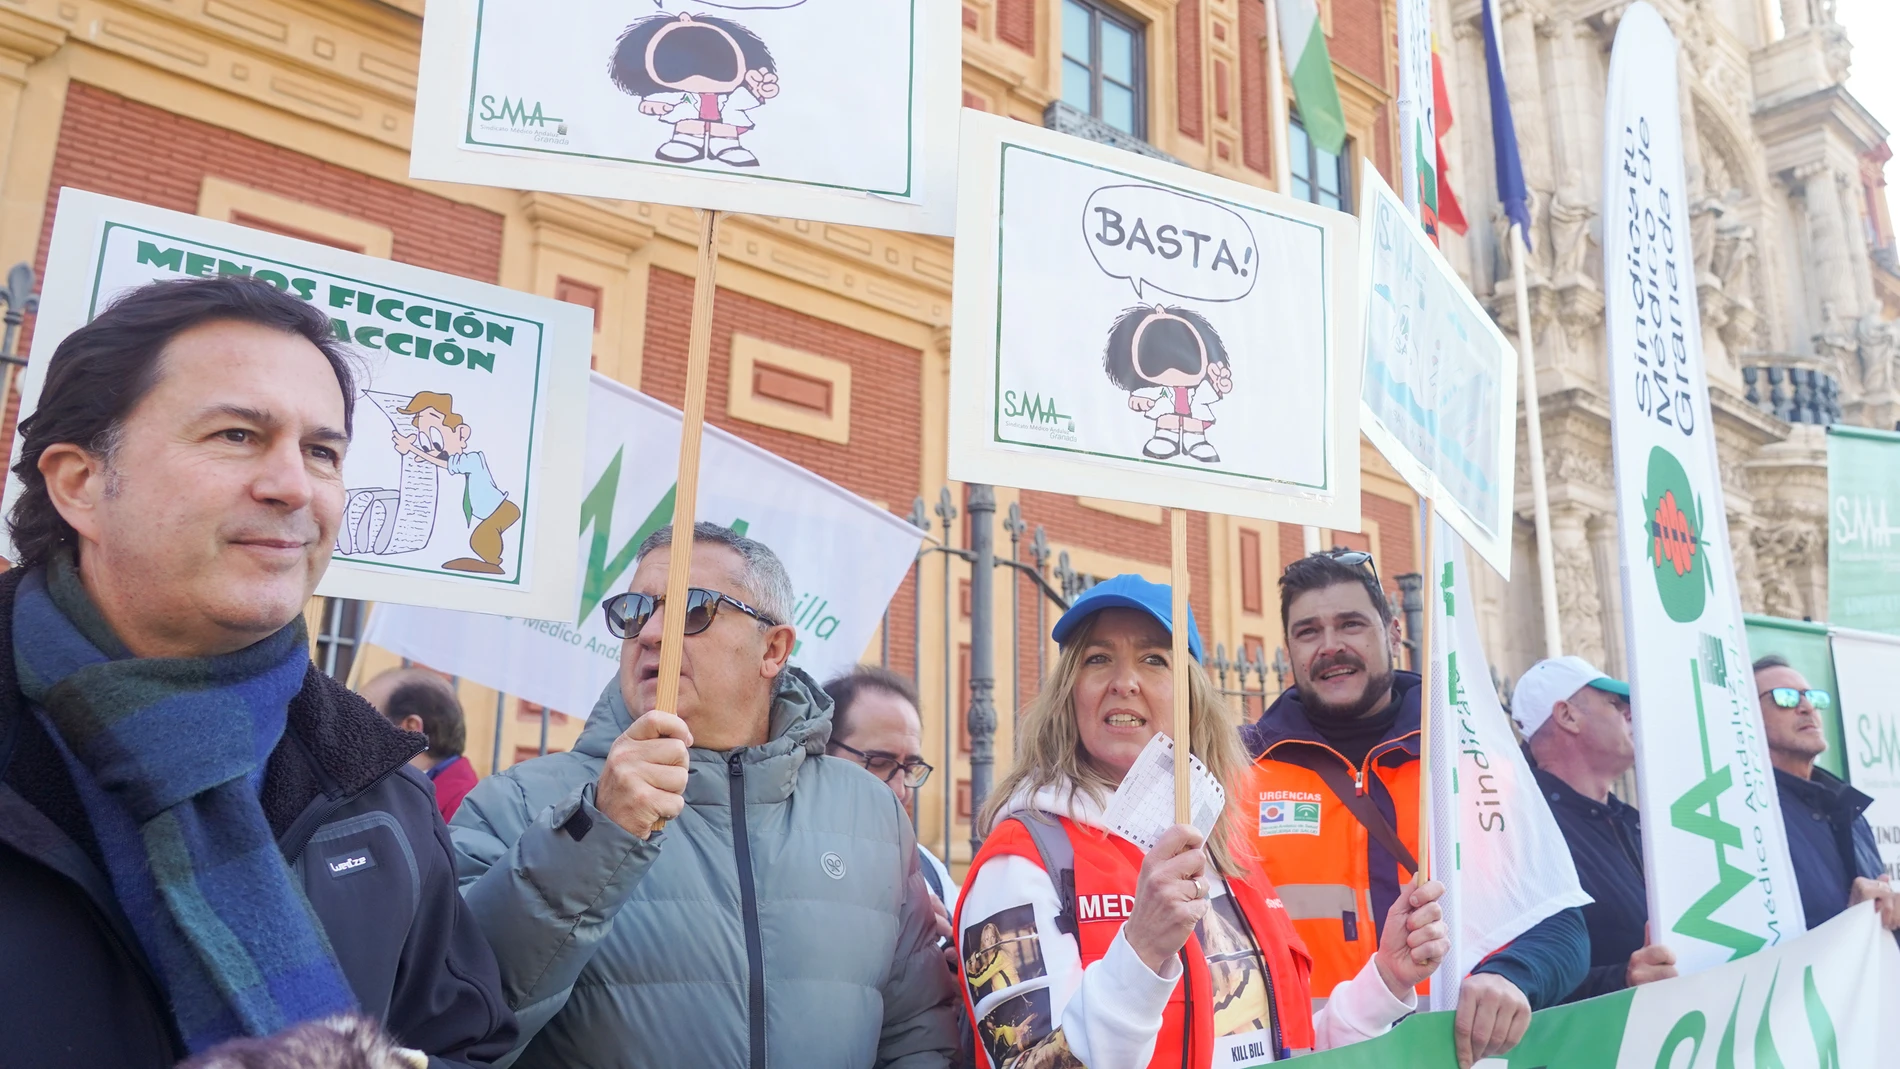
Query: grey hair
point(770, 589)
point(1772, 660)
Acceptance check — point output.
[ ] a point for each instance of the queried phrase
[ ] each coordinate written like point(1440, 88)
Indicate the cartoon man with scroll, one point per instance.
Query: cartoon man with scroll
point(1174, 367)
point(703, 75)
point(442, 439)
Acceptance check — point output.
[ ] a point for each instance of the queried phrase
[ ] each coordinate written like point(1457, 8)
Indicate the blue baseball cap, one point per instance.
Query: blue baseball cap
point(1126, 592)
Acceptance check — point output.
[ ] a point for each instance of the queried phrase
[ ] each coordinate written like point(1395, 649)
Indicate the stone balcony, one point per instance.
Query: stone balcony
point(1794, 391)
point(1066, 119)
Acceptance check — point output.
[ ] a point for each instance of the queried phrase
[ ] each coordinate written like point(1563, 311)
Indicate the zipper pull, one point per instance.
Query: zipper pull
point(1358, 781)
point(735, 766)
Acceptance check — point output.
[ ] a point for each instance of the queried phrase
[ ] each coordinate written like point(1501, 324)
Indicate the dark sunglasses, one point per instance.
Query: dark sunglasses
point(884, 766)
point(1790, 698)
point(627, 614)
point(1354, 558)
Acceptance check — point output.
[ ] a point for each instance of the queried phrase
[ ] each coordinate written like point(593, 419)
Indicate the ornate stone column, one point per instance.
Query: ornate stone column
point(1579, 584)
point(1607, 554)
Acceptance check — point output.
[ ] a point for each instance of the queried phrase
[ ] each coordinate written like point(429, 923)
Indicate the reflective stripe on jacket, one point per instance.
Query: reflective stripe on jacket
point(1106, 871)
point(1336, 880)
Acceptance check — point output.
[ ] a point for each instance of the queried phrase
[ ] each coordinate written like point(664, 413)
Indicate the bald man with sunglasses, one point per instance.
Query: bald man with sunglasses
point(780, 907)
point(1836, 861)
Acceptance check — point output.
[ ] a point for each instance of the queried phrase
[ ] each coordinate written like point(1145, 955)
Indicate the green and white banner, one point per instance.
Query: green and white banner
point(1823, 1001)
point(1720, 882)
point(1865, 664)
point(1863, 529)
point(1495, 845)
point(845, 556)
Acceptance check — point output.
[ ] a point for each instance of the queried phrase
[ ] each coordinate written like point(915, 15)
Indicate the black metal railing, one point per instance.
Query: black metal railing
point(1068, 119)
point(1795, 393)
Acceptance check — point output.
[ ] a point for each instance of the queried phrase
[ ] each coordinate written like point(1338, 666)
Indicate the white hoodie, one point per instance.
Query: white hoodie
point(1032, 993)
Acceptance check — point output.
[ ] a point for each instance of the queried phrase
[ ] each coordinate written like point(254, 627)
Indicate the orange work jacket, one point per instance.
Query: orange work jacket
point(1106, 868)
point(1336, 881)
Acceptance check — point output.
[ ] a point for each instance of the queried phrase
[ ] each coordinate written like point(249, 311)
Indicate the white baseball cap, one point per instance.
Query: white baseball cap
point(1555, 680)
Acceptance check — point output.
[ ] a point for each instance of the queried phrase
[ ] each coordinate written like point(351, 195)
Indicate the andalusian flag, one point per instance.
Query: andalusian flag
point(1313, 87)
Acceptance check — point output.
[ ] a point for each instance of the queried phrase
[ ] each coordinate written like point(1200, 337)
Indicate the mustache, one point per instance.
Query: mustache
point(1343, 657)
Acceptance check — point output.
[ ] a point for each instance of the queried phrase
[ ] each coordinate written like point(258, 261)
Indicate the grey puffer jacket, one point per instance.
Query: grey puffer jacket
point(799, 934)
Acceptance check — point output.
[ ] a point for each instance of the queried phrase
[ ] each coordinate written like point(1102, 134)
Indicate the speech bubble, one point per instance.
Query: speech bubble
point(729, 5)
point(1160, 239)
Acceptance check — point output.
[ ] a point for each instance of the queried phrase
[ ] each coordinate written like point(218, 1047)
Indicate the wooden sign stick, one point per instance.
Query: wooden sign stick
point(686, 488)
point(1178, 582)
point(1425, 702)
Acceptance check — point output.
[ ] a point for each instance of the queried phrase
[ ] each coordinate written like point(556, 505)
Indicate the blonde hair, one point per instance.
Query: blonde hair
point(1049, 751)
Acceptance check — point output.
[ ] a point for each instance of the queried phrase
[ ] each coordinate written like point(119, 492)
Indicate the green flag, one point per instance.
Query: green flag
point(1304, 45)
point(1863, 544)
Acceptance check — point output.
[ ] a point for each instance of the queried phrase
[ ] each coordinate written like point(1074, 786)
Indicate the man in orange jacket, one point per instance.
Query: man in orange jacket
point(1337, 778)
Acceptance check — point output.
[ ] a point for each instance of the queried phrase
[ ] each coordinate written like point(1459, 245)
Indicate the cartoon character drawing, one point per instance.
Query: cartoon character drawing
point(703, 75)
point(442, 439)
point(1174, 367)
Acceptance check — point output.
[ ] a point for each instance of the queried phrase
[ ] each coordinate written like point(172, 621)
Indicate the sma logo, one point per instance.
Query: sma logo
point(515, 112)
point(1034, 408)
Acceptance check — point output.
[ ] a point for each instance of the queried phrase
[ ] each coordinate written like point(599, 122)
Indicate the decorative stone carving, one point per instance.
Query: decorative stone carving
point(1787, 553)
point(1575, 465)
point(1579, 600)
point(1877, 343)
point(1570, 240)
point(1747, 568)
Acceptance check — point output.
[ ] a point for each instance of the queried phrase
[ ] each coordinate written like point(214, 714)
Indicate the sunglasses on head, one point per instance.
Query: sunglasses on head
point(627, 614)
point(1354, 558)
point(1790, 698)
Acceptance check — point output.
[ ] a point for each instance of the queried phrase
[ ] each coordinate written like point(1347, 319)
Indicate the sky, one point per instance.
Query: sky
point(1874, 28)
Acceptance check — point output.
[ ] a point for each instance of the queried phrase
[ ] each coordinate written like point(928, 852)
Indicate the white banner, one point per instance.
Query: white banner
point(1866, 667)
point(808, 109)
point(1142, 331)
point(1439, 398)
point(467, 399)
point(1720, 881)
point(1495, 845)
point(845, 555)
point(1418, 144)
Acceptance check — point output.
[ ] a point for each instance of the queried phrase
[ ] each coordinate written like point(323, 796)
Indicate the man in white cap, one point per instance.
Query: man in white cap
point(1577, 721)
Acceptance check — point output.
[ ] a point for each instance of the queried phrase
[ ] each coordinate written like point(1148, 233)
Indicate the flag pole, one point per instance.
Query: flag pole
point(1178, 583)
point(1534, 438)
point(1423, 853)
point(686, 494)
point(1279, 118)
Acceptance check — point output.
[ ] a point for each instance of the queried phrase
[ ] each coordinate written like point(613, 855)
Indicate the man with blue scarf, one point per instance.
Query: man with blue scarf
point(202, 837)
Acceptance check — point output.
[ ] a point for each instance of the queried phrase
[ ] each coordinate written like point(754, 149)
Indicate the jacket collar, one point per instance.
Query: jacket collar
point(1826, 793)
point(1562, 795)
point(800, 725)
point(1286, 722)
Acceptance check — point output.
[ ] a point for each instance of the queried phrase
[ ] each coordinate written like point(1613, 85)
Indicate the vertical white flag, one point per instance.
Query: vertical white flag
point(1495, 845)
point(1721, 885)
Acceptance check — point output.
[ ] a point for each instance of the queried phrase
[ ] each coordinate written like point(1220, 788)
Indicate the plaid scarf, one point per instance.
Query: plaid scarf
point(168, 756)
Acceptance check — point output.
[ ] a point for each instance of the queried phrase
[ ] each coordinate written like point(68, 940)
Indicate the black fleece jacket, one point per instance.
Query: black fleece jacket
point(75, 988)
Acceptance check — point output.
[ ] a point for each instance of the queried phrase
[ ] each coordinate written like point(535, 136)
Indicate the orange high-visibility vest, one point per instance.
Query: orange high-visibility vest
point(1336, 881)
point(1106, 869)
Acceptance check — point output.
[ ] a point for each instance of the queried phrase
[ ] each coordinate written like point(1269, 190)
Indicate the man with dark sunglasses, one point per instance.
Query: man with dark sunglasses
point(779, 908)
point(1836, 861)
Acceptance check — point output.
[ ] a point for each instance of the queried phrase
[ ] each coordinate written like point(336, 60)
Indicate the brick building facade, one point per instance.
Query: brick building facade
point(830, 343)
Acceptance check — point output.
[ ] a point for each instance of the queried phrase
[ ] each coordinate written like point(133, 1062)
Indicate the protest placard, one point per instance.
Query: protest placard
point(465, 403)
point(845, 557)
point(1137, 330)
point(1141, 331)
point(809, 109)
point(1439, 400)
point(1720, 881)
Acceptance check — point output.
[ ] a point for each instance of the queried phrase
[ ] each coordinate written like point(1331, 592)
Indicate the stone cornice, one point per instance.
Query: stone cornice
point(1797, 121)
point(25, 41)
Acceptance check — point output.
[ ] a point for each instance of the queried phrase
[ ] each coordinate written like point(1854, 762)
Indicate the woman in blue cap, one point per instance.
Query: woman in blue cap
point(1079, 949)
